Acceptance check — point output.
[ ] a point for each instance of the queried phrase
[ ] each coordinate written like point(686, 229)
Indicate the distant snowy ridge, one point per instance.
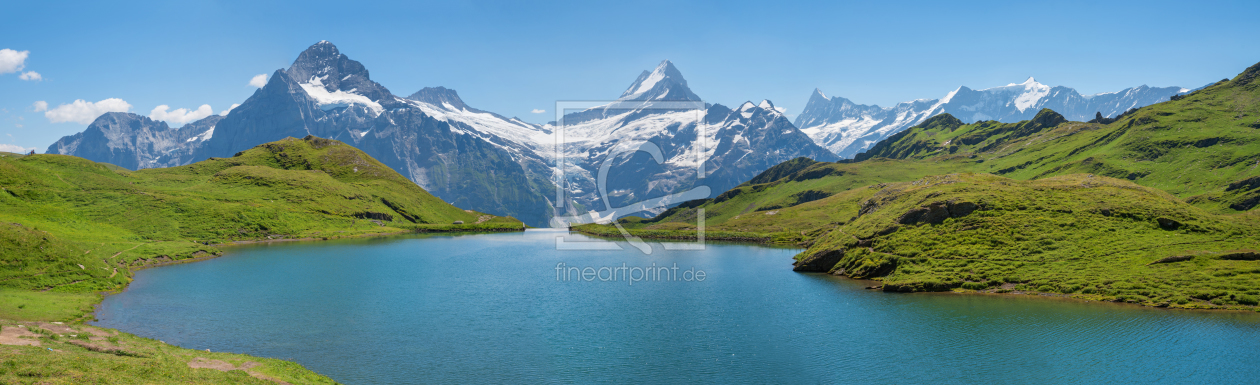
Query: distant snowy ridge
point(847, 128)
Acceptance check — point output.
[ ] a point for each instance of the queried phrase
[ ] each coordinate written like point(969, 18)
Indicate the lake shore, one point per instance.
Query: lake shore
point(782, 239)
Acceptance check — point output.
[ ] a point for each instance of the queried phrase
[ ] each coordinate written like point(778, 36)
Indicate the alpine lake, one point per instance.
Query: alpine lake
point(526, 308)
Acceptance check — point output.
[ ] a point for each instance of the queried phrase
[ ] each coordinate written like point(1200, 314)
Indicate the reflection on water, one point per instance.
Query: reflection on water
point(489, 308)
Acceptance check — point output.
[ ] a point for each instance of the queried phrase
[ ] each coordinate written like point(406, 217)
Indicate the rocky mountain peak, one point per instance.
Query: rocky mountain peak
point(322, 64)
point(322, 58)
point(817, 98)
point(123, 119)
point(438, 96)
point(663, 83)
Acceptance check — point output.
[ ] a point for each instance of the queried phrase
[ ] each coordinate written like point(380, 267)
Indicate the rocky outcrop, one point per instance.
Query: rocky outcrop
point(819, 262)
point(1168, 224)
point(809, 196)
point(1045, 118)
point(1249, 255)
point(922, 286)
point(1245, 184)
point(1246, 202)
point(376, 216)
point(781, 170)
point(1248, 76)
point(1172, 259)
point(938, 212)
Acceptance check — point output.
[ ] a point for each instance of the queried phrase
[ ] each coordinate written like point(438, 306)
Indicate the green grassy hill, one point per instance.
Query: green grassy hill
point(1076, 234)
point(67, 223)
point(1062, 207)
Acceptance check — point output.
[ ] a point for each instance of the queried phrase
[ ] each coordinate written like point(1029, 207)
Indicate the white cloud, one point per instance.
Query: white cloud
point(40, 106)
point(259, 80)
point(537, 111)
point(12, 61)
point(18, 126)
point(84, 112)
point(15, 149)
point(180, 115)
point(31, 75)
point(233, 107)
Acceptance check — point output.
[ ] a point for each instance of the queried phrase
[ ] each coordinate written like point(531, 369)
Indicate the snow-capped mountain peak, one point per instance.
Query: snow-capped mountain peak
point(333, 80)
point(1033, 92)
point(663, 83)
point(1027, 94)
point(1030, 82)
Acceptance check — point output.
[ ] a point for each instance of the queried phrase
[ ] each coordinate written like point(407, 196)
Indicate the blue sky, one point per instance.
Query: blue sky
point(514, 57)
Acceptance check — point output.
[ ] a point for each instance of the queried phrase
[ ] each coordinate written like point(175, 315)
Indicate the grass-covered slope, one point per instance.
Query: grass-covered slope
point(789, 208)
point(1076, 234)
point(57, 353)
point(1061, 207)
point(72, 225)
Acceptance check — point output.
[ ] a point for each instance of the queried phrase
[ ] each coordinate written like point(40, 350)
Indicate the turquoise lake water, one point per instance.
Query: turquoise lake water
point(495, 309)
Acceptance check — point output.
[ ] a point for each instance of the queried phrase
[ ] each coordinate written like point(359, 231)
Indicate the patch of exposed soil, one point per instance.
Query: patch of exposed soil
point(97, 346)
point(18, 335)
point(58, 328)
point(220, 365)
point(224, 366)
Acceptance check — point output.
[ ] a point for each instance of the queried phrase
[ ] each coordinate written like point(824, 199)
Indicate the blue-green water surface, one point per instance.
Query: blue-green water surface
point(490, 309)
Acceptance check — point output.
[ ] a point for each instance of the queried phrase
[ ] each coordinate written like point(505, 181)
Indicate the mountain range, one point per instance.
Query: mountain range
point(472, 158)
point(135, 142)
point(847, 128)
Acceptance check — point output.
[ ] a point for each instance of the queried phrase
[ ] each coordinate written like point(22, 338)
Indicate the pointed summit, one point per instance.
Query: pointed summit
point(1030, 82)
point(323, 65)
point(440, 96)
point(320, 59)
point(817, 98)
point(664, 83)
